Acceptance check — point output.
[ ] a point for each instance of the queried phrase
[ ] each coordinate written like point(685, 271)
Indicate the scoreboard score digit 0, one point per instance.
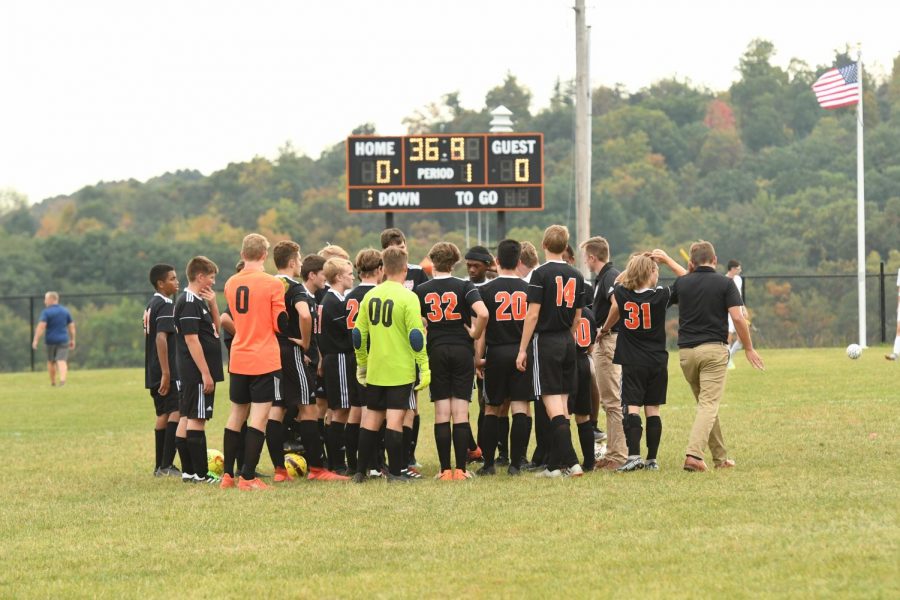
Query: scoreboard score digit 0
point(435, 172)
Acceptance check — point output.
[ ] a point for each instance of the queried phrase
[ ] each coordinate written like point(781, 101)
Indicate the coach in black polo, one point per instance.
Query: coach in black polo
point(705, 298)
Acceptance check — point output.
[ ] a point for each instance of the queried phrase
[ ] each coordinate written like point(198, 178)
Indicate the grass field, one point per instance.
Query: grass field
point(812, 510)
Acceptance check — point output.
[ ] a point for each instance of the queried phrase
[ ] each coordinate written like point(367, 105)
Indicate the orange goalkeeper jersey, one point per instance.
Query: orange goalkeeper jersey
point(255, 300)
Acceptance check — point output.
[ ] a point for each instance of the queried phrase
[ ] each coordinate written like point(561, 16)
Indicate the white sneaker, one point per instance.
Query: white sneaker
point(548, 474)
point(574, 471)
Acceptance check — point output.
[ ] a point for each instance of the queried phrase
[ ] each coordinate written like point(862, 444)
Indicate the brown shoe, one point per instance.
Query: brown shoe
point(607, 464)
point(694, 464)
point(726, 464)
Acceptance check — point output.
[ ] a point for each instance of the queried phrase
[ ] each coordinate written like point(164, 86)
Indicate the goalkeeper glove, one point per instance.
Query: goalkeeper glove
point(361, 375)
point(424, 380)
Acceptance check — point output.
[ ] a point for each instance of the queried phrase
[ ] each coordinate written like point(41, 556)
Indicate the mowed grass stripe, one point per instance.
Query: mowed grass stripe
point(811, 510)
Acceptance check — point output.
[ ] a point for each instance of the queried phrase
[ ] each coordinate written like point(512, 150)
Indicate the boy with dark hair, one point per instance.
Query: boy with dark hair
point(505, 299)
point(160, 370)
point(388, 319)
point(199, 360)
point(448, 306)
point(555, 298)
point(256, 301)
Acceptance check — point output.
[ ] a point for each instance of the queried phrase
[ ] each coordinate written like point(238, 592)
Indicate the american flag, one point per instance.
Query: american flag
point(838, 87)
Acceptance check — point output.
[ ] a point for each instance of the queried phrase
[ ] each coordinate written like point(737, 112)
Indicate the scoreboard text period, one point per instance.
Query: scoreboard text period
point(464, 171)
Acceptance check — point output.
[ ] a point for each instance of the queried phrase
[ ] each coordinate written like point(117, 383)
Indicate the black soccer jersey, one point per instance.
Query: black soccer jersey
point(415, 276)
point(192, 317)
point(559, 289)
point(315, 311)
point(447, 307)
point(506, 299)
point(354, 298)
point(335, 338)
point(294, 292)
point(642, 336)
point(586, 332)
point(603, 289)
point(158, 318)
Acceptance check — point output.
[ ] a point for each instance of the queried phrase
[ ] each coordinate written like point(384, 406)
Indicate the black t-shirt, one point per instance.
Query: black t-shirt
point(335, 338)
point(603, 289)
point(354, 298)
point(192, 317)
point(158, 318)
point(642, 337)
point(703, 298)
point(294, 292)
point(506, 300)
point(586, 332)
point(415, 276)
point(447, 307)
point(559, 289)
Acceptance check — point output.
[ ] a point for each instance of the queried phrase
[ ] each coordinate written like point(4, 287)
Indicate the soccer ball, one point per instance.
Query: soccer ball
point(215, 462)
point(599, 450)
point(295, 465)
point(854, 351)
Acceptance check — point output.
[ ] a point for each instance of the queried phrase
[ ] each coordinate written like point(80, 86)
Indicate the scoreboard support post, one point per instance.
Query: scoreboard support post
point(389, 220)
point(501, 225)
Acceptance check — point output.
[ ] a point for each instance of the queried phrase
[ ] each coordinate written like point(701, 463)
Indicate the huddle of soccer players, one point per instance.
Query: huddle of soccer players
point(337, 368)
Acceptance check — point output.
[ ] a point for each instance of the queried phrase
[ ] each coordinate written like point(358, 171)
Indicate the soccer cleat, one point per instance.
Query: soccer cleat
point(227, 482)
point(573, 471)
point(891, 356)
point(694, 464)
point(410, 474)
point(728, 463)
point(502, 461)
point(445, 475)
point(548, 474)
point(170, 471)
point(607, 464)
point(474, 456)
point(320, 474)
point(460, 475)
point(599, 435)
point(651, 465)
point(513, 470)
point(246, 485)
point(487, 470)
point(634, 463)
point(391, 478)
point(282, 475)
point(187, 478)
point(532, 467)
point(376, 474)
point(157, 472)
point(359, 478)
point(211, 478)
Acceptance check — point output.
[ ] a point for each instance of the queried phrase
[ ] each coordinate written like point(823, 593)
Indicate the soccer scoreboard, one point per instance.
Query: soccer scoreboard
point(436, 172)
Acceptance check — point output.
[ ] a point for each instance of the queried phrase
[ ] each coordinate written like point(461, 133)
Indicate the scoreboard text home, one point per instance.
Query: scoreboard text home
point(463, 171)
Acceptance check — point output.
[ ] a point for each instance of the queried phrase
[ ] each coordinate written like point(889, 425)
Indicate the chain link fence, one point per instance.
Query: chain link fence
point(786, 310)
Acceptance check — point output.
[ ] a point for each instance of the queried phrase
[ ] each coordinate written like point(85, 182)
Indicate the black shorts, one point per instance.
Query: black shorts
point(340, 378)
point(643, 386)
point(452, 371)
point(502, 380)
point(294, 377)
point(194, 403)
point(256, 388)
point(388, 397)
point(580, 397)
point(552, 359)
point(321, 389)
point(168, 403)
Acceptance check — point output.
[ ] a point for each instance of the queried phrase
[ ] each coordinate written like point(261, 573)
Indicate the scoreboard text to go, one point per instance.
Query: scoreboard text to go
point(445, 172)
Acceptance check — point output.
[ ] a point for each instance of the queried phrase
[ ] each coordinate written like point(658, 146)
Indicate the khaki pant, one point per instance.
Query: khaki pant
point(704, 368)
point(609, 379)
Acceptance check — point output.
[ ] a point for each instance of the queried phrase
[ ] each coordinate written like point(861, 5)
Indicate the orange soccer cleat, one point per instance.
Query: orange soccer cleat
point(460, 475)
point(227, 482)
point(251, 484)
point(445, 475)
point(320, 474)
point(282, 475)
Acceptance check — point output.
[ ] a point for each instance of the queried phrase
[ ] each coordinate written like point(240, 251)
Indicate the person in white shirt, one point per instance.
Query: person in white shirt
point(734, 342)
point(893, 355)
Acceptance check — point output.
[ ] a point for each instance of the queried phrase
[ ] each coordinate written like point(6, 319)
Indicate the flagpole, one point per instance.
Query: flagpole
point(860, 207)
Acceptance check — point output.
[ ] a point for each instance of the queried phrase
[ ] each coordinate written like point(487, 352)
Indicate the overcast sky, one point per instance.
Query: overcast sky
point(114, 90)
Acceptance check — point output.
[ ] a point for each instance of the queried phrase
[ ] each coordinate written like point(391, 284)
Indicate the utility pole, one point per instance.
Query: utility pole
point(582, 132)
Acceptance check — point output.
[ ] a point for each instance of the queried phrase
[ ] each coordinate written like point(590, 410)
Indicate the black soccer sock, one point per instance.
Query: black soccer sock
point(275, 442)
point(461, 433)
point(541, 436)
point(351, 441)
point(442, 442)
point(393, 443)
point(415, 440)
point(196, 442)
point(654, 434)
point(380, 459)
point(184, 455)
point(335, 444)
point(633, 431)
point(488, 429)
point(368, 440)
point(503, 436)
point(564, 450)
point(252, 449)
point(472, 444)
point(160, 438)
point(312, 444)
point(480, 438)
point(231, 446)
point(586, 439)
point(323, 437)
point(407, 445)
point(168, 456)
point(593, 423)
point(519, 434)
point(242, 441)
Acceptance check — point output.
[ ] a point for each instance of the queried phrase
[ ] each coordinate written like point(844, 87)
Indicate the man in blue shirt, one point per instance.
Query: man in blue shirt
point(56, 321)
